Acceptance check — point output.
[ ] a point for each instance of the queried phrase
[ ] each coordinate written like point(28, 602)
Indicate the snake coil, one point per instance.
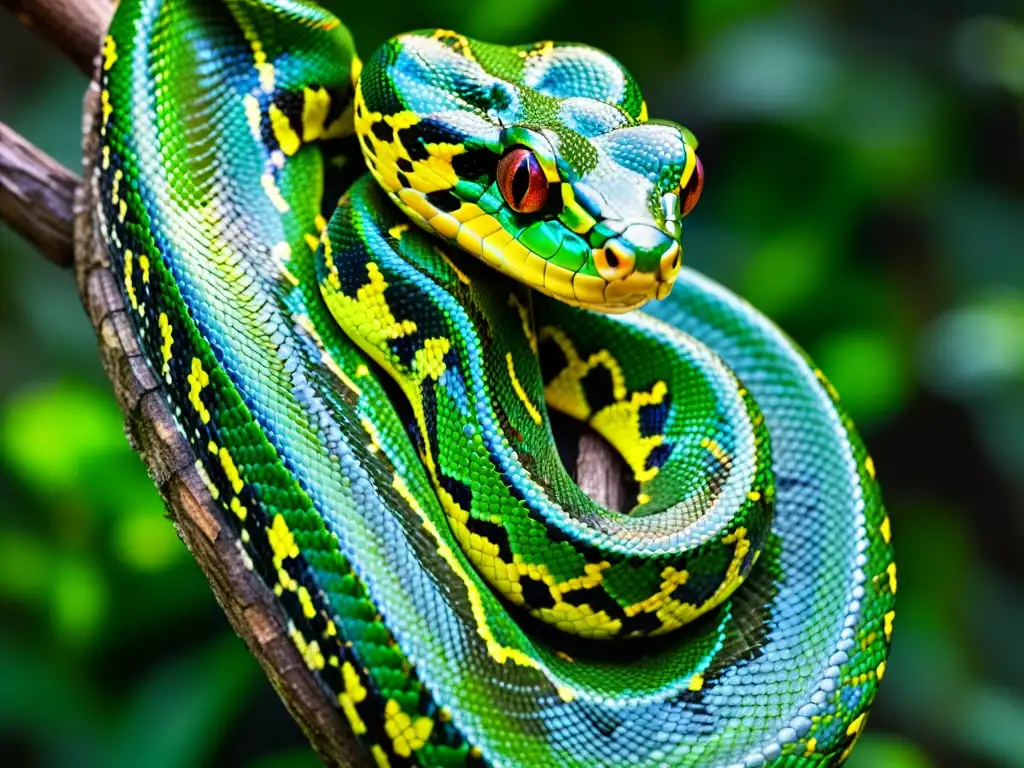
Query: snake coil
point(364, 381)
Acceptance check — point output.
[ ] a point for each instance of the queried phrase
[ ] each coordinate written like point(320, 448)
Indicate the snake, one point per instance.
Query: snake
point(368, 290)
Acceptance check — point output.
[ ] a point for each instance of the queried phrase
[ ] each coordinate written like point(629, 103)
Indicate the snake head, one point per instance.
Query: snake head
point(538, 159)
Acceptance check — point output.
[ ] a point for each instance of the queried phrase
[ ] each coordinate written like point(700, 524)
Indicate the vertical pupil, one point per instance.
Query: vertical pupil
point(521, 180)
point(694, 186)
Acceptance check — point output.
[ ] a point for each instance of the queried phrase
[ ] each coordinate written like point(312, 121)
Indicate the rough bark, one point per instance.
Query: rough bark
point(251, 608)
point(36, 197)
point(75, 27)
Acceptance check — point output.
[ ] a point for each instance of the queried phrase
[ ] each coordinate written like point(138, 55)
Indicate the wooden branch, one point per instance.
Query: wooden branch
point(36, 196)
point(36, 192)
point(75, 27)
point(598, 471)
point(249, 604)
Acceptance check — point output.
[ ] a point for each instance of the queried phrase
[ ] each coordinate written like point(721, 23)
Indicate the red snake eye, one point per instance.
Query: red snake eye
point(522, 181)
point(691, 192)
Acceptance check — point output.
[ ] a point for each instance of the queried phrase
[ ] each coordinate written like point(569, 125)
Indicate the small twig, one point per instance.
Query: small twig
point(36, 197)
point(75, 27)
point(598, 471)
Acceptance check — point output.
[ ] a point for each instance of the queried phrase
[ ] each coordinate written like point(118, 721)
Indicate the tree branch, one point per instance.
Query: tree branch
point(248, 603)
point(75, 27)
point(598, 471)
point(36, 192)
point(36, 196)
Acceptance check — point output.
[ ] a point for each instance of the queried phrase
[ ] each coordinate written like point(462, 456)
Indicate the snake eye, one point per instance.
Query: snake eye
point(522, 181)
point(691, 192)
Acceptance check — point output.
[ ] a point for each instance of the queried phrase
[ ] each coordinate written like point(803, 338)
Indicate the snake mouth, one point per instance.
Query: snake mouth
point(627, 291)
point(631, 292)
point(639, 265)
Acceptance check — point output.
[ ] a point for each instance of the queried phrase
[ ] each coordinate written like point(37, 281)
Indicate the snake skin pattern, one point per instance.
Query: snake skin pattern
point(361, 363)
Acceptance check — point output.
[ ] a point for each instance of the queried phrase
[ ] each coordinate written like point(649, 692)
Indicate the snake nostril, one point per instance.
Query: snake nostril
point(614, 261)
point(670, 260)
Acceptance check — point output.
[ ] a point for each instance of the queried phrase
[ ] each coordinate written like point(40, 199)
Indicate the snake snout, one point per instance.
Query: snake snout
point(639, 264)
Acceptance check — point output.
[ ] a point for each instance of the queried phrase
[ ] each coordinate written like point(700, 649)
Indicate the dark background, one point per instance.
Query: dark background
point(864, 189)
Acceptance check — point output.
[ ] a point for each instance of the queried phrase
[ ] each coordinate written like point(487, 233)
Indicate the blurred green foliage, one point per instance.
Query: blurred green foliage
point(865, 189)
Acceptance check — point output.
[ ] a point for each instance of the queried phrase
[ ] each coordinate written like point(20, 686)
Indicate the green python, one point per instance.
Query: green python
point(363, 364)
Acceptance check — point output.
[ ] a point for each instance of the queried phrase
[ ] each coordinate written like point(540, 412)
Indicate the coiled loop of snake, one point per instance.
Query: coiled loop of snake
point(407, 547)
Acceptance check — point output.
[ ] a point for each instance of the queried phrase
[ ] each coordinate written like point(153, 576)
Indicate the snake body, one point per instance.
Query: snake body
point(361, 362)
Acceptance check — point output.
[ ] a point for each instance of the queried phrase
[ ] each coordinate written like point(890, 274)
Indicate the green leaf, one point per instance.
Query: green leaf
point(51, 435)
point(26, 563)
point(992, 725)
point(707, 18)
point(868, 370)
point(292, 758)
point(497, 21)
point(974, 350)
point(176, 716)
point(79, 600)
point(875, 750)
point(43, 698)
point(786, 271)
point(147, 542)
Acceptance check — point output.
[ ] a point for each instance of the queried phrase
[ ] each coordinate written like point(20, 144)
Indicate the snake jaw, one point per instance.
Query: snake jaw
point(638, 265)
